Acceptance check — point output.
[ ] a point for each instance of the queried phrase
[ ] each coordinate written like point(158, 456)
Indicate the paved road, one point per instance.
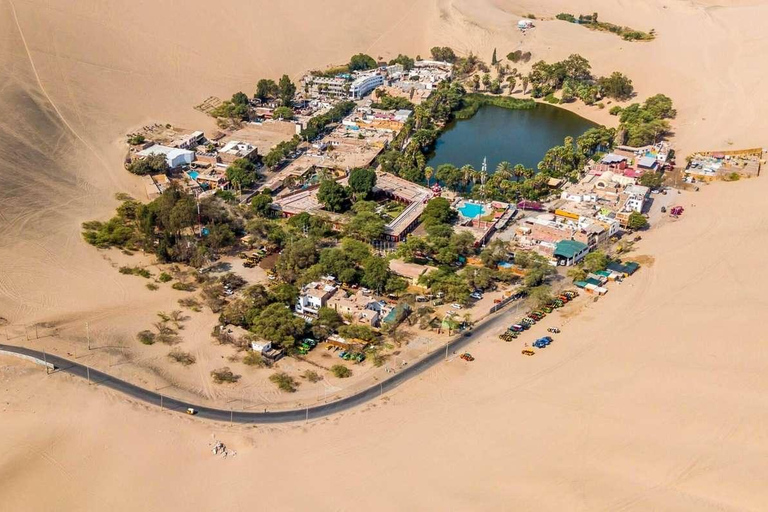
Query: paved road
point(314, 412)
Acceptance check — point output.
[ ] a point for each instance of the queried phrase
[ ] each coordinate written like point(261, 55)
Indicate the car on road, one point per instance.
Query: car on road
point(191, 411)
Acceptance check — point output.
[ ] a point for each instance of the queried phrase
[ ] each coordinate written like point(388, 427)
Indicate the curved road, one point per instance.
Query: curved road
point(314, 412)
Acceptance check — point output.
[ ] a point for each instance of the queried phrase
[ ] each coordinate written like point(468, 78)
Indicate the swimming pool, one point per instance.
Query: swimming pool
point(193, 174)
point(471, 210)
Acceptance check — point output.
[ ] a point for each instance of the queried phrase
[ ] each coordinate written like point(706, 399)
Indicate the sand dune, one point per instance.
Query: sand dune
point(651, 399)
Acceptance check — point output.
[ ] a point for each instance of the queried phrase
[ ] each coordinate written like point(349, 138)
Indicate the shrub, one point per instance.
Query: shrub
point(253, 359)
point(340, 371)
point(530, 16)
point(185, 287)
point(146, 337)
point(191, 303)
point(182, 357)
point(284, 382)
point(164, 277)
point(312, 376)
point(137, 139)
point(136, 271)
point(224, 374)
point(615, 110)
point(734, 176)
point(550, 98)
point(152, 286)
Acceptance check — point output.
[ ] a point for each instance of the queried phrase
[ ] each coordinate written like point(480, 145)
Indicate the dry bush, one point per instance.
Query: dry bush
point(182, 357)
point(223, 375)
point(312, 376)
point(284, 381)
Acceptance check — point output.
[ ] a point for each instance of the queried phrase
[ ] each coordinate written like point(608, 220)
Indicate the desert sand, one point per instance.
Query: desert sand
point(651, 398)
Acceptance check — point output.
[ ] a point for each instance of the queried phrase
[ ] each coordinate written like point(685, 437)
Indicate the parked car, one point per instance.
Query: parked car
point(554, 330)
point(467, 356)
point(476, 296)
point(456, 305)
point(528, 352)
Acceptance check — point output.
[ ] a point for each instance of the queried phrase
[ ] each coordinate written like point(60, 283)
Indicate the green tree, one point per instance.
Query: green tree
point(366, 226)
point(362, 181)
point(651, 179)
point(283, 113)
point(494, 60)
point(261, 205)
point(295, 258)
point(266, 89)
point(406, 61)
point(376, 273)
point(278, 324)
point(361, 62)
point(155, 163)
point(443, 54)
point(242, 173)
point(637, 221)
point(616, 86)
point(287, 90)
point(595, 261)
point(326, 323)
point(438, 211)
point(334, 196)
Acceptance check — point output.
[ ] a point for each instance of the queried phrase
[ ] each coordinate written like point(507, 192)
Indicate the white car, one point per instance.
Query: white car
point(456, 306)
point(476, 296)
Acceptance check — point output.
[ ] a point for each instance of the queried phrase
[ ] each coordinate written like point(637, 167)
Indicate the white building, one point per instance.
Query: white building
point(261, 346)
point(174, 156)
point(636, 196)
point(326, 86)
point(313, 297)
point(365, 84)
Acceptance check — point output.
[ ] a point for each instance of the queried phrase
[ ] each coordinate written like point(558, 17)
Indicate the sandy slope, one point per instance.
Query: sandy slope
point(652, 398)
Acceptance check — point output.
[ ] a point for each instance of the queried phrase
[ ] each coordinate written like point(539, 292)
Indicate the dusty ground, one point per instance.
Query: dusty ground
point(645, 402)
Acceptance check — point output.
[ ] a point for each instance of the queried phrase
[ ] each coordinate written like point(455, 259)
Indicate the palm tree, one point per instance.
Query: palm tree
point(504, 170)
point(428, 173)
point(467, 171)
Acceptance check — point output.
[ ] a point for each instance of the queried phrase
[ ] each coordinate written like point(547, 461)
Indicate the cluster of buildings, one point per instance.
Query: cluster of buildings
point(724, 165)
point(196, 163)
point(356, 307)
point(424, 76)
point(592, 211)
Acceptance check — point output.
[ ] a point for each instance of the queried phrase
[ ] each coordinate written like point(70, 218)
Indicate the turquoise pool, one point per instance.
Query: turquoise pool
point(471, 210)
point(193, 174)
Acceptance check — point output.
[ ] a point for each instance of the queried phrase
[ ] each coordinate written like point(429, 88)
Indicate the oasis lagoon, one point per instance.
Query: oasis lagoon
point(501, 134)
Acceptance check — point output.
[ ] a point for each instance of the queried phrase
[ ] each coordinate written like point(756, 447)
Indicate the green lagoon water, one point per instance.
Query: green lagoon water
point(500, 134)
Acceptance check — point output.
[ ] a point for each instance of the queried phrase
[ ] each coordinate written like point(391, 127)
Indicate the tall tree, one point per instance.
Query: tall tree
point(287, 90)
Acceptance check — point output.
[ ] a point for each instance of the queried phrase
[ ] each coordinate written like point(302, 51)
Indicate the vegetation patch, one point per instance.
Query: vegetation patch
point(136, 271)
point(223, 375)
point(591, 22)
point(472, 102)
point(312, 376)
point(284, 382)
point(146, 337)
point(184, 358)
point(340, 371)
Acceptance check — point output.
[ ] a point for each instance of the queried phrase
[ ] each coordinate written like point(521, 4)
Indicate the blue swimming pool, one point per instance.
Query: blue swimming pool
point(471, 210)
point(193, 174)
